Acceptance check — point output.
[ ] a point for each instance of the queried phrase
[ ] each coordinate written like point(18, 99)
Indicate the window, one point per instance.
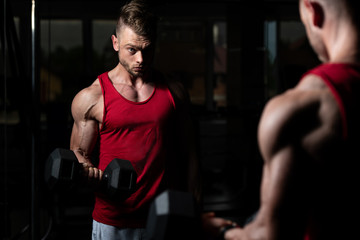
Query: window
point(181, 55)
point(220, 67)
point(61, 59)
point(288, 55)
point(104, 57)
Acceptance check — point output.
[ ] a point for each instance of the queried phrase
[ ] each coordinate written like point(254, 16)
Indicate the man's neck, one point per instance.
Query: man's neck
point(120, 75)
point(343, 44)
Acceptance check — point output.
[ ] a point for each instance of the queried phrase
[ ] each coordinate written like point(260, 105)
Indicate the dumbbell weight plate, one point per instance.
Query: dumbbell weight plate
point(119, 178)
point(61, 168)
point(173, 215)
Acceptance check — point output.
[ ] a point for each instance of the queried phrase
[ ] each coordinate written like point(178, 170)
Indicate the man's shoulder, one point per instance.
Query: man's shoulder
point(289, 108)
point(301, 112)
point(92, 90)
point(304, 100)
point(88, 96)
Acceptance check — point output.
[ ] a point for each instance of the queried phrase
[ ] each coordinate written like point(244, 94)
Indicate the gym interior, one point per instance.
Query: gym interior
point(231, 55)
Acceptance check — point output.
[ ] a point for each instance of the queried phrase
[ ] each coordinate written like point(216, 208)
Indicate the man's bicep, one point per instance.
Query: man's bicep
point(284, 183)
point(279, 176)
point(283, 155)
point(83, 139)
point(85, 129)
point(284, 193)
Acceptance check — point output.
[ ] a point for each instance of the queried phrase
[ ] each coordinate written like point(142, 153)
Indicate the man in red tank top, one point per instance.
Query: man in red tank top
point(136, 116)
point(309, 137)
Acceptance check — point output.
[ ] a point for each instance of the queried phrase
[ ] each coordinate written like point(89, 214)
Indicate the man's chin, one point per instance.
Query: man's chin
point(137, 73)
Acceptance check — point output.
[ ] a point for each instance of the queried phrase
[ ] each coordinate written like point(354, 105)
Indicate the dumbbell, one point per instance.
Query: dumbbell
point(62, 170)
point(173, 215)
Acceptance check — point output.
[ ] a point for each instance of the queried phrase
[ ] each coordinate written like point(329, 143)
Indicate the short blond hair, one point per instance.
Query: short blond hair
point(137, 15)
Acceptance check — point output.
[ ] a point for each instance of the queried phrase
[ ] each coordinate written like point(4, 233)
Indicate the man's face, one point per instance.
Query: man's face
point(135, 52)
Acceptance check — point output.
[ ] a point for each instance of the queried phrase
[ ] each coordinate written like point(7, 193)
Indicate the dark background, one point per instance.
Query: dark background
point(231, 55)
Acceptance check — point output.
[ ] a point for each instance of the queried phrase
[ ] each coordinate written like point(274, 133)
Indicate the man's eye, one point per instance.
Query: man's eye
point(131, 50)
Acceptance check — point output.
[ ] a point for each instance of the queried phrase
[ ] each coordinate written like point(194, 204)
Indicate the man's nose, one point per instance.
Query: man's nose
point(139, 57)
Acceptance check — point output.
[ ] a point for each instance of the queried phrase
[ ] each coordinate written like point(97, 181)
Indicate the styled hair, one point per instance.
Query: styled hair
point(137, 15)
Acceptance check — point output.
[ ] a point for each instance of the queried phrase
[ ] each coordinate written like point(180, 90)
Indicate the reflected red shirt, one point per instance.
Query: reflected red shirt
point(138, 132)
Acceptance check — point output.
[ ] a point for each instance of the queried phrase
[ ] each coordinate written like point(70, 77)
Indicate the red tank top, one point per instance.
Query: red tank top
point(344, 82)
point(134, 131)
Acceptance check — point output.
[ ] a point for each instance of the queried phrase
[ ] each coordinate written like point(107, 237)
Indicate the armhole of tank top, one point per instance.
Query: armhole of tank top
point(171, 97)
point(103, 96)
point(338, 99)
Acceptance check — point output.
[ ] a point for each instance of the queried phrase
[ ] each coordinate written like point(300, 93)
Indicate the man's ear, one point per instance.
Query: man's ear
point(115, 42)
point(317, 12)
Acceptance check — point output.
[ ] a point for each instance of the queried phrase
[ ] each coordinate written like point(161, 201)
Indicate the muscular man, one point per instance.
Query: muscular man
point(309, 137)
point(134, 115)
